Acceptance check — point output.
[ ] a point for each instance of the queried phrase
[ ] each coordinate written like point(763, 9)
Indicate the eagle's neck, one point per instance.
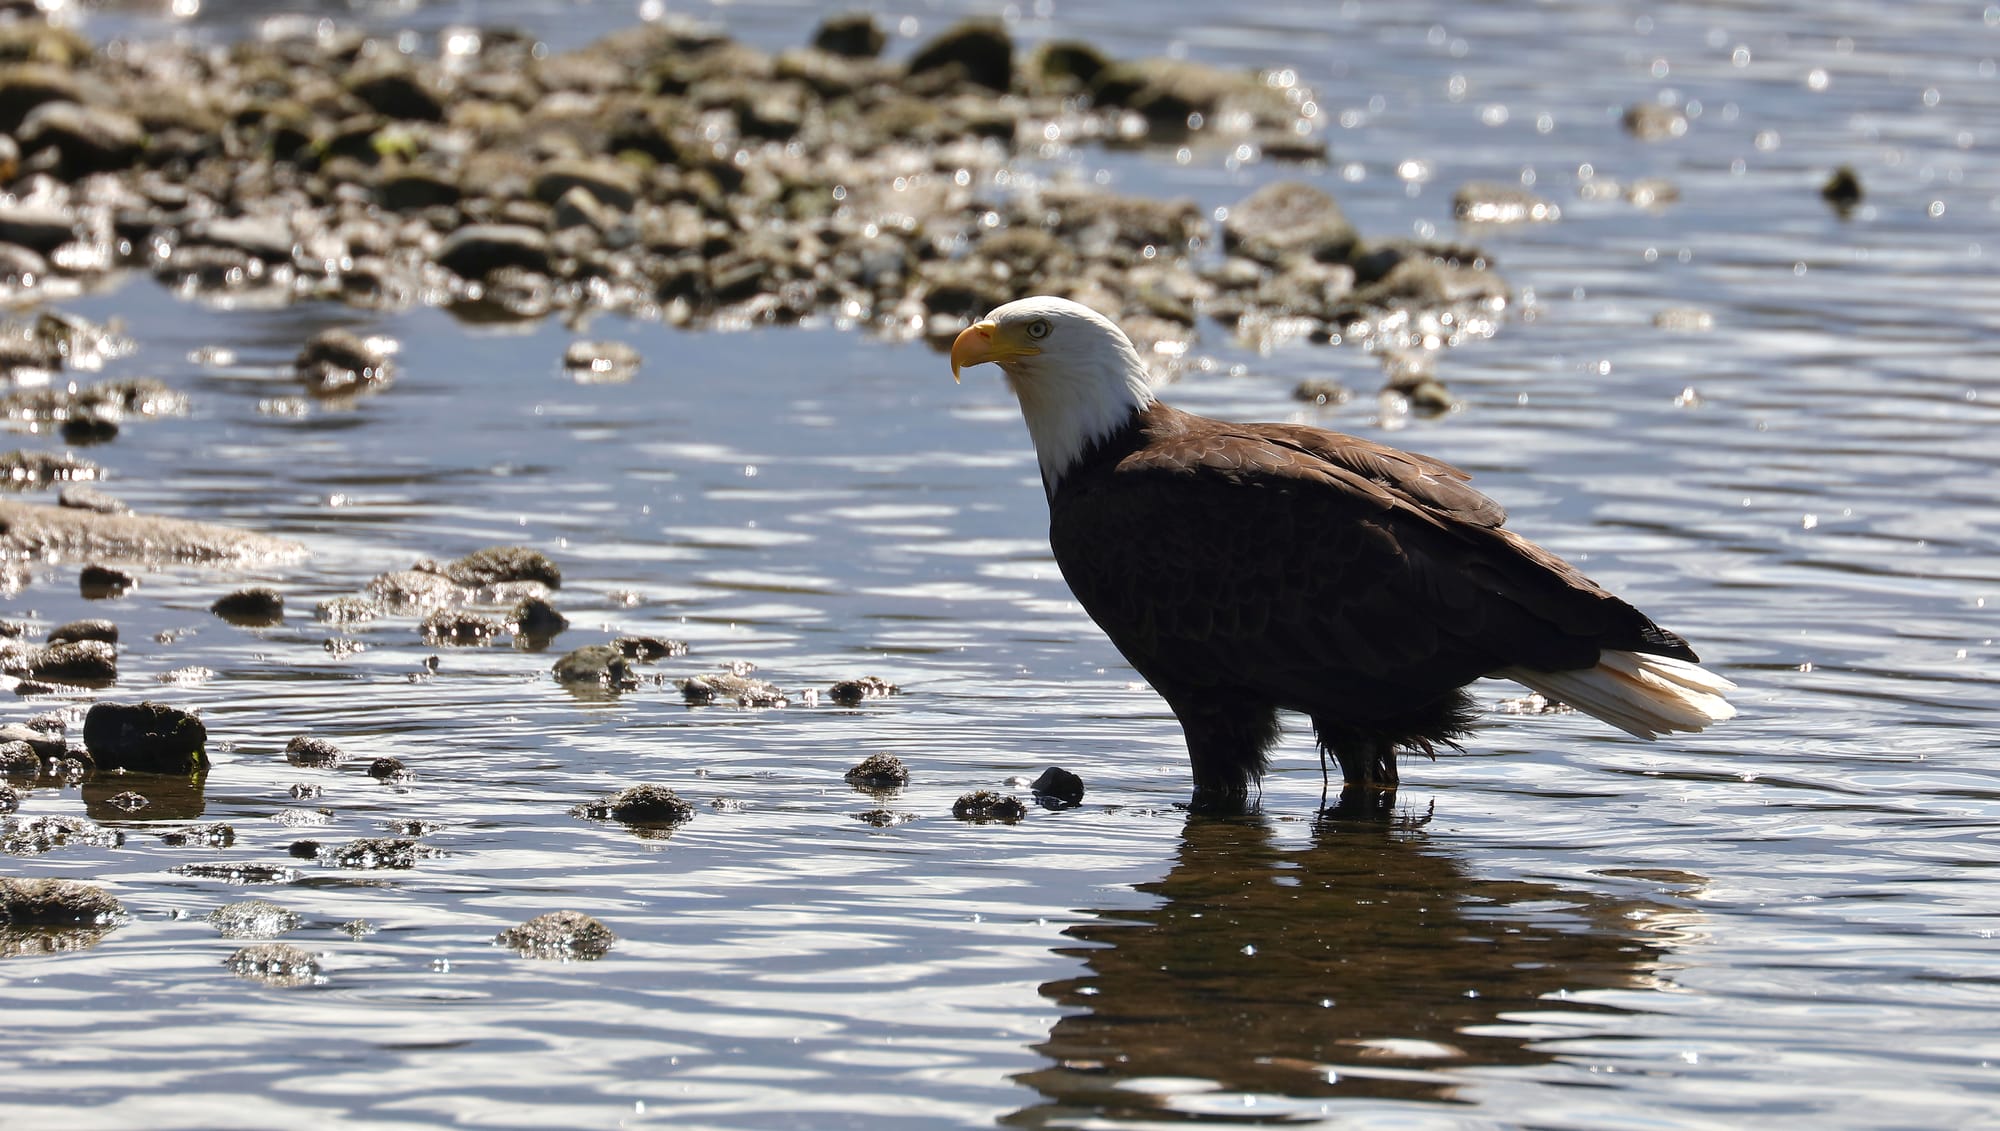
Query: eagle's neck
point(1070, 414)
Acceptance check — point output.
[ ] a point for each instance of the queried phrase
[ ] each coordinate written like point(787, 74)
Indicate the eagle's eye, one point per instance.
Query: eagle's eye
point(1038, 329)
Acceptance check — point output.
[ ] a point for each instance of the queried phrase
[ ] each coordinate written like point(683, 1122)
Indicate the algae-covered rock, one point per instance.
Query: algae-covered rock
point(567, 936)
point(51, 902)
point(276, 964)
point(879, 772)
point(985, 805)
point(146, 738)
point(639, 805)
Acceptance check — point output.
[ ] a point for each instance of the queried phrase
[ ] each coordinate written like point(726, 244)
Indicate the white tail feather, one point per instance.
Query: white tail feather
point(1638, 693)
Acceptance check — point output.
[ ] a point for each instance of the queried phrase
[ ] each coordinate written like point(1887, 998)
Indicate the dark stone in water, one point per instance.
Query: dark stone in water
point(86, 139)
point(100, 583)
point(44, 902)
point(986, 805)
point(45, 743)
point(1842, 190)
point(146, 737)
point(32, 471)
point(388, 769)
point(396, 91)
point(1650, 121)
point(251, 608)
point(10, 799)
point(598, 664)
point(1493, 202)
point(980, 49)
point(19, 762)
point(1289, 220)
point(849, 692)
point(884, 818)
point(340, 363)
point(346, 610)
point(855, 35)
point(83, 663)
point(566, 936)
point(314, 753)
point(1059, 786)
point(477, 250)
point(304, 849)
point(536, 622)
point(879, 772)
point(639, 805)
point(276, 964)
point(595, 362)
point(457, 629)
point(372, 853)
point(1321, 392)
point(647, 649)
point(84, 630)
point(127, 802)
point(46, 834)
point(728, 688)
point(496, 565)
point(41, 228)
point(215, 834)
point(252, 919)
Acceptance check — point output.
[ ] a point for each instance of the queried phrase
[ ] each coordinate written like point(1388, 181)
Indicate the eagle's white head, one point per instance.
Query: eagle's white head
point(1076, 375)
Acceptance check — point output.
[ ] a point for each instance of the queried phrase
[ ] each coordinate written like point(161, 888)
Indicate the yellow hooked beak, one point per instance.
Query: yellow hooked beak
point(986, 341)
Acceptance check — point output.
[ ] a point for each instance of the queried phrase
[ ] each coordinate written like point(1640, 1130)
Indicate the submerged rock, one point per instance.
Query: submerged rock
point(19, 762)
point(46, 834)
point(647, 649)
point(497, 565)
point(335, 363)
point(346, 610)
point(239, 873)
point(75, 630)
point(1058, 786)
point(1651, 121)
point(252, 919)
point(536, 622)
point(29, 530)
point(313, 753)
point(213, 834)
point(455, 628)
point(145, 737)
point(100, 583)
point(31, 471)
point(849, 692)
point(879, 772)
point(1492, 202)
point(597, 362)
point(251, 608)
point(654, 805)
point(388, 769)
point(725, 688)
point(47, 902)
point(276, 964)
point(83, 497)
point(82, 663)
point(985, 805)
point(372, 853)
point(598, 665)
point(567, 936)
point(1842, 190)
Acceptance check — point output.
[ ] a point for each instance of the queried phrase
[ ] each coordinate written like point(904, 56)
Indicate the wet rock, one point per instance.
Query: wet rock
point(251, 608)
point(128, 801)
point(336, 363)
point(45, 743)
point(884, 818)
point(1289, 220)
point(276, 964)
point(346, 610)
point(304, 849)
point(598, 665)
point(1321, 392)
point(82, 663)
point(565, 936)
point(1650, 121)
point(102, 630)
point(398, 91)
point(252, 919)
point(1651, 192)
point(313, 753)
point(613, 183)
point(388, 769)
point(451, 628)
point(214, 834)
point(239, 873)
point(84, 139)
point(648, 649)
point(536, 622)
point(52, 902)
point(986, 805)
point(32, 471)
point(639, 805)
point(854, 35)
point(192, 675)
point(598, 362)
point(497, 565)
point(100, 583)
point(10, 799)
point(725, 688)
point(19, 762)
point(1058, 788)
point(978, 51)
point(46, 834)
point(409, 590)
point(1418, 283)
point(41, 228)
point(413, 190)
point(1179, 97)
point(25, 86)
point(35, 531)
point(1491, 202)
point(850, 692)
point(879, 772)
point(477, 250)
point(79, 496)
point(1842, 190)
point(375, 853)
point(145, 737)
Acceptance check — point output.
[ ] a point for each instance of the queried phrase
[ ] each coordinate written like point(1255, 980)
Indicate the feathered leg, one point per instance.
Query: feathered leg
point(1227, 741)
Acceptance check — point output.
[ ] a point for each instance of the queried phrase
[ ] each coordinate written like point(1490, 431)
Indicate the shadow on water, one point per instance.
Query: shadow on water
point(1366, 965)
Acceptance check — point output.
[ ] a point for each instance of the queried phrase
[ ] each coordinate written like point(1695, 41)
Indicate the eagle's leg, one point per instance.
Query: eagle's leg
point(1228, 738)
point(1365, 760)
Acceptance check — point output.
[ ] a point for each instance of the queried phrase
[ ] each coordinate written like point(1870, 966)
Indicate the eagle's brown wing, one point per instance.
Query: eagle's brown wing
point(1320, 571)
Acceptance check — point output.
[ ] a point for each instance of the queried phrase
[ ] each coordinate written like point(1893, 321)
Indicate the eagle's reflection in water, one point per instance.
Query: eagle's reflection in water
point(1366, 965)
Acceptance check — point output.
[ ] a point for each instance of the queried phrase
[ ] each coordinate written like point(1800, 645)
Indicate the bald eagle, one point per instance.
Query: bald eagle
point(1244, 569)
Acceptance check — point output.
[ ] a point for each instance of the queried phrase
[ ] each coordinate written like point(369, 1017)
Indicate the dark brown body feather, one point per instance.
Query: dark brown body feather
point(1246, 568)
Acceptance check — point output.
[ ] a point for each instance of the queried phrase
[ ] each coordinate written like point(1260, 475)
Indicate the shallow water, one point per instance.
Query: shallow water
point(1791, 918)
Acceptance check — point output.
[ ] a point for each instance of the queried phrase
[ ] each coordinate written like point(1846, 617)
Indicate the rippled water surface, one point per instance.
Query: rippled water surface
point(1791, 918)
